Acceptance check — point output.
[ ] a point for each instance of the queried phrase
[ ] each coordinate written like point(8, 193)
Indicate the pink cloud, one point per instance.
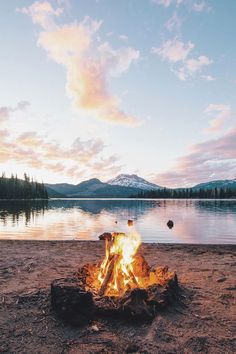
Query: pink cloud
point(6, 111)
point(174, 50)
point(177, 53)
point(89, 67)
point(221, 115)
point(81, 158)
point(212, 158)
point(42, 13)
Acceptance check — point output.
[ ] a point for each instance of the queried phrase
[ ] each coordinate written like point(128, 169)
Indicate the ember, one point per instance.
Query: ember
point(122, 284)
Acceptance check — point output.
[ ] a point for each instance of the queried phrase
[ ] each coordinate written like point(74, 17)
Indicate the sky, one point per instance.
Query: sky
point(95, 88)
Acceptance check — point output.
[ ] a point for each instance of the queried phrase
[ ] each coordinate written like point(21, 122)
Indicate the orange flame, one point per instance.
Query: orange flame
point(117, 274)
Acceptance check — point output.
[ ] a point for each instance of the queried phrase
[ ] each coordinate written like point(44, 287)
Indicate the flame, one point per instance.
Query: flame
point(116, 274)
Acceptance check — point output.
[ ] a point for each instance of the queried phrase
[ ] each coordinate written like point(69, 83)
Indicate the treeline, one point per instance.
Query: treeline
point(188, 193)
point(15, 188)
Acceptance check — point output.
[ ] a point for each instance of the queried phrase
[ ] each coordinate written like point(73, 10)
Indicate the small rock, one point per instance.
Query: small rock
point(221, 280)
point(130, 222)
point(94, 328)
point(170, 224)
point(132, 348)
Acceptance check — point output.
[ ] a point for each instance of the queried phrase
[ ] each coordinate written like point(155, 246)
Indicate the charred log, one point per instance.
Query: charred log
point(134, 305)
point(71, 302)
point(105, 236)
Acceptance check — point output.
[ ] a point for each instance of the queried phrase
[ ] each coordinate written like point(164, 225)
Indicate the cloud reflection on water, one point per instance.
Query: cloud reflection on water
point(195, 221)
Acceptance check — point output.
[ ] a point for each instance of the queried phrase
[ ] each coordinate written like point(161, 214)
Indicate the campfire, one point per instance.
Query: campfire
point(121, 285)
point(117, 272)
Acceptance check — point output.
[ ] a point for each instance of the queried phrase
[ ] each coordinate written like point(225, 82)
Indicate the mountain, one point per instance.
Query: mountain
point(226, 183)
point(122, 186)
point(133, 181)
point(62, 188)
point(53, 194)
point(93, 188)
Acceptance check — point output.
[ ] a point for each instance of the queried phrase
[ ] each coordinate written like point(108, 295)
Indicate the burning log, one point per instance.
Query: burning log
point(109, 274)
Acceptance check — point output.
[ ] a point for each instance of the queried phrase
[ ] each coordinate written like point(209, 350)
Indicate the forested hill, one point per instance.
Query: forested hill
point(14, 188)
point(198, 193)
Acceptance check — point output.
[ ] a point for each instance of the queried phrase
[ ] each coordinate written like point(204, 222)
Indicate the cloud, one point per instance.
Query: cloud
point(192, 5)
point(199, 6)
point(221, 114)
point(5, 111)
point(174, 23)
point(208, 77)
point(167, 3)
point(123, 37)
point(193, 66)
point(117, 61)
point(39, 152)
point(212, 158)
point(42, 13)
point(34, 151)
point(174, 50)
point(177, 53)
point(89, 67)
point(4, 114)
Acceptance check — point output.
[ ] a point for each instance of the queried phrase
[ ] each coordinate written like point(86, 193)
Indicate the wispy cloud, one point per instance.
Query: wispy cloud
point(167, 3)
point(7, 110)
point(89, 65)
point(177, 52)
point(174, 50)
point(220, 114)
point(212, 159)
point(174, 23)
point(123, 37)
point(42, 13)
point(198, 6)
point(193, 66)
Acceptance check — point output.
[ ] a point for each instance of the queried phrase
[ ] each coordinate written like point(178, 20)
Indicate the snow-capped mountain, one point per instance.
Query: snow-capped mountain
point(133, 181)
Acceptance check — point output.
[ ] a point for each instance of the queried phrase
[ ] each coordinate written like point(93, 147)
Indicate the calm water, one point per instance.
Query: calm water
point(195, 221)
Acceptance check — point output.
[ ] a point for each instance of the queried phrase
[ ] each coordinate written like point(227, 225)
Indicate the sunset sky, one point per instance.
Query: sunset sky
point(95, 88)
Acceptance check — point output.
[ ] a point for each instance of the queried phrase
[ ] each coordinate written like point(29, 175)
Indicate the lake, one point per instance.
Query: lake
point(195, 221)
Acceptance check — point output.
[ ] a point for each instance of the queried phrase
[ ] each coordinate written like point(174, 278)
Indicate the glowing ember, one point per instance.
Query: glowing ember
point(117, 274)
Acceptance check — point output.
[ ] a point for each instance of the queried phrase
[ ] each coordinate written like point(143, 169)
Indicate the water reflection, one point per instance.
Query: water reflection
point(16, 210)
point(195, 221)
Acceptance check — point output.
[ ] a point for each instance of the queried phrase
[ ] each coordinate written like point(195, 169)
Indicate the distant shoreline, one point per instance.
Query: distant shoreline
point(111, 198)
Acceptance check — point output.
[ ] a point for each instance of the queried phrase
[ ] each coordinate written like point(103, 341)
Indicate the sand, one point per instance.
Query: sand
point(203, 322)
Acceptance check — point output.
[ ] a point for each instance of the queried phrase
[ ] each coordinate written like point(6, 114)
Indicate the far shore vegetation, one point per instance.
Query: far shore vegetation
point(15, 188)
point(189, 193)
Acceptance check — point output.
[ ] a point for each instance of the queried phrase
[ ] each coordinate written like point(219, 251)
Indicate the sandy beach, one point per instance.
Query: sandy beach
point(204, 321)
